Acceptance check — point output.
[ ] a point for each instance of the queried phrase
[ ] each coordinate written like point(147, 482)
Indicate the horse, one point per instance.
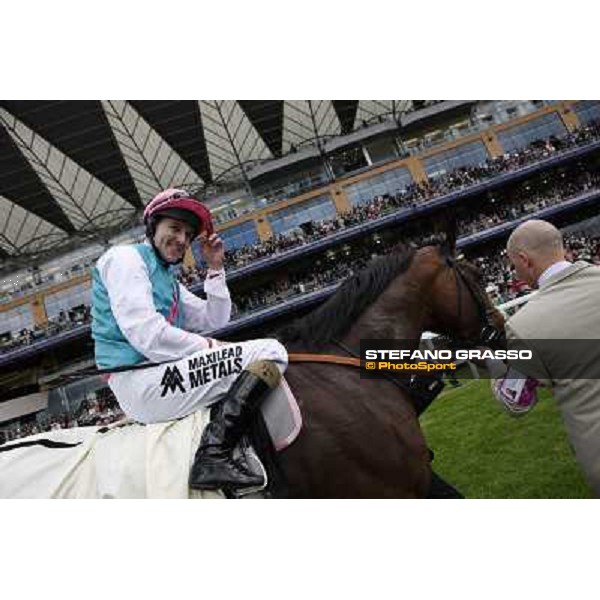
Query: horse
point(360, 438)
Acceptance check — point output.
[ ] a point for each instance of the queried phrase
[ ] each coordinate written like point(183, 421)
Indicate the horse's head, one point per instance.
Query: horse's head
point(459, 305)
point(398, 296)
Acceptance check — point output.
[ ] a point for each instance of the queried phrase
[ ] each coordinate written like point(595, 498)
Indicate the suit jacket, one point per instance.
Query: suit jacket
point(567, 307)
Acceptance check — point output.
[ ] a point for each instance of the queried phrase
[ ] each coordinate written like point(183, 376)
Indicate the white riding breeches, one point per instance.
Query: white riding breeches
point(176, 389)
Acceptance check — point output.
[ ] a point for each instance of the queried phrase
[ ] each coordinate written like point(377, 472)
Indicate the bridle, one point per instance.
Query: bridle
point(489, 334)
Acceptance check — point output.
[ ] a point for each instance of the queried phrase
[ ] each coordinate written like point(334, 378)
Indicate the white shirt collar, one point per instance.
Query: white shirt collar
point(553, 269)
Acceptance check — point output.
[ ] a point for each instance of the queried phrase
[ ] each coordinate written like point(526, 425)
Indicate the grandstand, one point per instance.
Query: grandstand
point(304, 193)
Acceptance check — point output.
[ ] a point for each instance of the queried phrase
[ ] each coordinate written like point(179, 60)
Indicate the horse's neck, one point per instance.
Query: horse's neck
point(407, 331)
point(399, 313)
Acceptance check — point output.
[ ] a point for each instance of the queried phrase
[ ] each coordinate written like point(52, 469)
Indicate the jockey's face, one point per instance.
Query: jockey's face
point(172, 237)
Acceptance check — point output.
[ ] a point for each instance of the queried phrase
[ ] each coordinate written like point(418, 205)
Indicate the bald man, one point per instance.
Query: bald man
point(566, 307)
point(536, 250)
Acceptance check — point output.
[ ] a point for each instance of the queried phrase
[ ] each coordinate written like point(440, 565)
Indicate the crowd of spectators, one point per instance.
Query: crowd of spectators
point(36, 281)
point(333, 267)
point(414, 195)
point(64, 321)
point(503, 206)
point(297, 284)
point(100, 409)
point(503, 285)
point(508, 205)
point(516, 203)
point(499, 277)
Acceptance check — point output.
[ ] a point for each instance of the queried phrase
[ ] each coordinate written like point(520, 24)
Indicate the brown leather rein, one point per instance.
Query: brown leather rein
point(348, 361)
point(419, 400)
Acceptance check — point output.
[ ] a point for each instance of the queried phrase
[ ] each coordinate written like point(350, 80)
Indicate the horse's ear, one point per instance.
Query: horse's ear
point(448, 246)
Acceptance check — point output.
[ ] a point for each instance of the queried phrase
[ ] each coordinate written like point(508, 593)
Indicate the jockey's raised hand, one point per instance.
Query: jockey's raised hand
point(213, 250)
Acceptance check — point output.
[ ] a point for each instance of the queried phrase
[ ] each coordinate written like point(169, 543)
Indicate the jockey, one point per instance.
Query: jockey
point(141, 313)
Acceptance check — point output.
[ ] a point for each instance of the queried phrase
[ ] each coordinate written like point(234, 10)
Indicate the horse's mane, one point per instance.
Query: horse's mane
point(331, 320)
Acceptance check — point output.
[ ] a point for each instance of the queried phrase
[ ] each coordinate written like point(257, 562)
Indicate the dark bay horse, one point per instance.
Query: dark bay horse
point(362, 438)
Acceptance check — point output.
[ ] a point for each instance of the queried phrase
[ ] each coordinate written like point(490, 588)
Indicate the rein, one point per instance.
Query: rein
point(345, 361)
point(489, 334)
point(421, 399)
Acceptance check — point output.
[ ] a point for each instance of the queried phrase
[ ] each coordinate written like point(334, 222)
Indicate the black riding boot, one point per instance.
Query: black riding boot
point(214, 466)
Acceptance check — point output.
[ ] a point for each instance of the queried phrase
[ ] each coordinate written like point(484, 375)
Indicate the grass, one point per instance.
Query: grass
point(486, 453)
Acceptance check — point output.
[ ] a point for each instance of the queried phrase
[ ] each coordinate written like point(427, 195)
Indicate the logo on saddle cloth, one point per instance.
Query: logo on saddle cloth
point(171, 380)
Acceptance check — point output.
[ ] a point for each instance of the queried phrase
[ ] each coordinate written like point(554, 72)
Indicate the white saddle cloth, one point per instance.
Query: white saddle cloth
point(125, 460)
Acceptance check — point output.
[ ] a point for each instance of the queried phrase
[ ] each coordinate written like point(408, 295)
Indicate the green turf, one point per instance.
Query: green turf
point(486, 453)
